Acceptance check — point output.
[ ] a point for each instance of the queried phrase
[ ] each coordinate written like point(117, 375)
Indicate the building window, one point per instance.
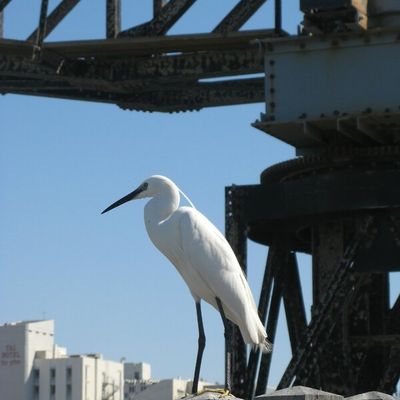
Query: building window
point(36, 392)
point(69, 391)
point(69, 373)
point(137, 375)
point(36, 375)
point(52, 373)
point(52, 392)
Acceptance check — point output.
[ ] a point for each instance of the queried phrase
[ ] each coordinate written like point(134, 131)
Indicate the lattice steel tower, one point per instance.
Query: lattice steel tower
point(332, 92)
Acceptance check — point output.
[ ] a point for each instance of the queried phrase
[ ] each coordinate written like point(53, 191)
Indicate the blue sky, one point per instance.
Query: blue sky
point(63, 162)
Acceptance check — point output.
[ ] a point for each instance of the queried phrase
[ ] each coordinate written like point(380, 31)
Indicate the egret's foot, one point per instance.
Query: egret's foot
point(222, 392)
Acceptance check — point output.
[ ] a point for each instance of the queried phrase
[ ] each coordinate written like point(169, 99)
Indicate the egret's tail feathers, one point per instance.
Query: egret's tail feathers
point(266, 346)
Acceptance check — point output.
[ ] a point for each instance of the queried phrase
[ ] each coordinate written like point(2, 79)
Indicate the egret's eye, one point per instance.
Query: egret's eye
point(145, 186)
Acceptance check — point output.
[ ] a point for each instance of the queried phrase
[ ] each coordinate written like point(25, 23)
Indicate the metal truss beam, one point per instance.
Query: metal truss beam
point(197, 96)
point(55, 17)
point(239, 15)
point(235, 232)
point(263, 305)
point(113, 18)
point(3, 4)
point(136, 71)
point(150, 46)
point(170, 99)
point(158, 6)
point(294, 303)
point(163, 21)
point(327, 312)
point(273, 281)
point(281, 254)
point(41, 30)
point(166, 83)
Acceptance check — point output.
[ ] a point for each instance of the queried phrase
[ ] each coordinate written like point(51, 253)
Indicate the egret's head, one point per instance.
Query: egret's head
point(151, 187)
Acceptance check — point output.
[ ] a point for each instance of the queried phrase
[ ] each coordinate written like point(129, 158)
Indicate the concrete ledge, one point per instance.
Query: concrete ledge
point(371, 396)
point(300, 393)
point(211, 395)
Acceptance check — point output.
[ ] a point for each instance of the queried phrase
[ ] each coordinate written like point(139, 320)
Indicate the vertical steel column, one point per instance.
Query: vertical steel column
point(294, 303)
point(41, 31)
point(278, 16)
point(282, 252)
point(113, 18)
point(327, 253)
point(328, 312)
point(235, 231)
point(368, 318)
point(3, 4)
point(262, 311)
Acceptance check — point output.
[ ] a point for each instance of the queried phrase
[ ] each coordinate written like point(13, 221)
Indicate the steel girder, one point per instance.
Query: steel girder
point(139, 68)
point(351, 344)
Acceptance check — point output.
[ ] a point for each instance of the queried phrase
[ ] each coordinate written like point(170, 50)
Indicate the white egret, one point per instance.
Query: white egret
point(204, 259)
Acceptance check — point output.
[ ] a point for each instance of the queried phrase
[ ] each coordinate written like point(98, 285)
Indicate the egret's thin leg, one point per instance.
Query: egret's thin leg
point(200, 349)
point(228, 346)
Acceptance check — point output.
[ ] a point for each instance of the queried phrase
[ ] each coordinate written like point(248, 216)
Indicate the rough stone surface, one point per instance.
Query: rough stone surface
point(371, 396)
point(300, 393)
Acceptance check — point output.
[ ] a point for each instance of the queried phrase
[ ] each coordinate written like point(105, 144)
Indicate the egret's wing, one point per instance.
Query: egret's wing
point(212, 259)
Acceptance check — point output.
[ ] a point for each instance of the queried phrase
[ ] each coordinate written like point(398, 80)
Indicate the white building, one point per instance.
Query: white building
point(137, 378)
point(137, 371)
point(169, 389)
point(140, 386)
point(32, 367)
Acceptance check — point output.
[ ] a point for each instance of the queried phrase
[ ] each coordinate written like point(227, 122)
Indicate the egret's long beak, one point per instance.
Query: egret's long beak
point(125, 199)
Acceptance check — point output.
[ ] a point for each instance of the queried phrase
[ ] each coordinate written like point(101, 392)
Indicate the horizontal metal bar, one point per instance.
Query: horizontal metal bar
point(186, 66)
point(142, 46)
point(312, 196)
point(168, 99)
point(135, 72)
point(376, 339)
point(198, 96)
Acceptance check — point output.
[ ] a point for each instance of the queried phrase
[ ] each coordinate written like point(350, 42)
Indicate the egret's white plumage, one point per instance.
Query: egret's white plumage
point(201, 254)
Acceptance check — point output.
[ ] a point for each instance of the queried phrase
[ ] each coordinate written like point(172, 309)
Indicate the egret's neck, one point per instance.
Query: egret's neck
point(161, 206)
